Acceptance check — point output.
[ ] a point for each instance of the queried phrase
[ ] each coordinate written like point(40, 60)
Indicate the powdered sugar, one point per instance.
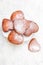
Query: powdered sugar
point(20, 26)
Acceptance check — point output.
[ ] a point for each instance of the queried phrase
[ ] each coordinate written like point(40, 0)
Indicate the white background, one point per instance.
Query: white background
point(20, 55)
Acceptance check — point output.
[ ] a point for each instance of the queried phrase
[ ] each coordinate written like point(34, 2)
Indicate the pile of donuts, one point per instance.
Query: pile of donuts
point(20, 27)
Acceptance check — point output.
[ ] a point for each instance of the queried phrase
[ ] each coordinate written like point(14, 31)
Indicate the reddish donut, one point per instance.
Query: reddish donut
point(7, 25)
point(33, 27)
point(15, 38)
point(33, 45)
point(17, 15)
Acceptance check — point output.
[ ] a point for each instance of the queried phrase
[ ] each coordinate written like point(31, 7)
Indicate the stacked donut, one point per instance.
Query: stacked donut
point(20, 27)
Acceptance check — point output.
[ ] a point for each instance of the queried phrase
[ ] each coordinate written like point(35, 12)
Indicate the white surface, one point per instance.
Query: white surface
point(19, 55)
